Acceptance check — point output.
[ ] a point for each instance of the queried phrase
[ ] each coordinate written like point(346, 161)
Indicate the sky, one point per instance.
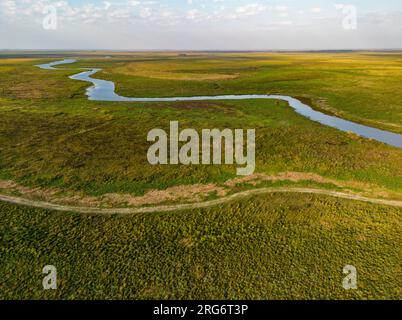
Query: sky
point(200, 24)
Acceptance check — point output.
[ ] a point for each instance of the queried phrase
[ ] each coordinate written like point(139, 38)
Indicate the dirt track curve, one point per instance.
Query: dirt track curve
point(206, 204)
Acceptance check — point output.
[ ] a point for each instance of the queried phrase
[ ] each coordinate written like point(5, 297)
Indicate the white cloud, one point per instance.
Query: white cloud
point(250, 9)
point(216, 24)
point(8, 7)
point(145, 12)
point(194, 14)
point(281, 8)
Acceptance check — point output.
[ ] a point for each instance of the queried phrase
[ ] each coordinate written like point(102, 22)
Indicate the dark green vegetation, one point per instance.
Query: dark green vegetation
point(278, 246)
point(104, 150)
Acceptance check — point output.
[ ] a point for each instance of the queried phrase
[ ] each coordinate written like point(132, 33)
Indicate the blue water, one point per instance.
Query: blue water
point(103, 90)
point(51, 65)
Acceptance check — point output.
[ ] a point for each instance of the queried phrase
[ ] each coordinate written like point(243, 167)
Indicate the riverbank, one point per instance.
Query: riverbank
point(103, 90)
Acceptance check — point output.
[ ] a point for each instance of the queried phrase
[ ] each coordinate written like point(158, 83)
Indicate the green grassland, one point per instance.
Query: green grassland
point(279, 246)
point(268, 247)
point(363, 87)
point(49, 135)
point(104, 150)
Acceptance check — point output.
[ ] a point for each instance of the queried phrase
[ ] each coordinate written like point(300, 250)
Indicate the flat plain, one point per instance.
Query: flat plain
point(57, 146)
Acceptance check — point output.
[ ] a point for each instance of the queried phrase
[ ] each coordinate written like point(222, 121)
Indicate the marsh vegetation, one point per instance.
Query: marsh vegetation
point(55, 144)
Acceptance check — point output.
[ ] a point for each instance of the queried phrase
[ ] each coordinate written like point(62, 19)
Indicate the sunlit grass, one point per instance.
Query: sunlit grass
point(268, 247)
point(277, 246)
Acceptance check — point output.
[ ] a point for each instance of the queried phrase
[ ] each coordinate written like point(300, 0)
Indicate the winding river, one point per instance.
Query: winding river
point(103, 90)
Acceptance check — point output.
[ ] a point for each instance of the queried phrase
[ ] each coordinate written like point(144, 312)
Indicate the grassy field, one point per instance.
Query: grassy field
point(362, 87)
point(275, 247)
point(55, 145)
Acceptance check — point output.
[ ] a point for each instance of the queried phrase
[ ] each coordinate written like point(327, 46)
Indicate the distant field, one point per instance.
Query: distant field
point(362, 87)
point(57, 146)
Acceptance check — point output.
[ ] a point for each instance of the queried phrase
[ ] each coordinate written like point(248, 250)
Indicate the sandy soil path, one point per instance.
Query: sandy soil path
point(205, 204)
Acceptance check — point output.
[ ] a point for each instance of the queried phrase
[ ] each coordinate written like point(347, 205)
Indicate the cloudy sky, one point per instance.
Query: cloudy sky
point(200, 24)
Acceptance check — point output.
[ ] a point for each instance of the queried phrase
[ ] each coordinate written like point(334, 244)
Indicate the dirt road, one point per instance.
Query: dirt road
point(206, 204)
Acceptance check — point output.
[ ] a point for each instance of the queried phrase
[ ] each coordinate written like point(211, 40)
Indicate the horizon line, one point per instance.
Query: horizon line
point(202, 50)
